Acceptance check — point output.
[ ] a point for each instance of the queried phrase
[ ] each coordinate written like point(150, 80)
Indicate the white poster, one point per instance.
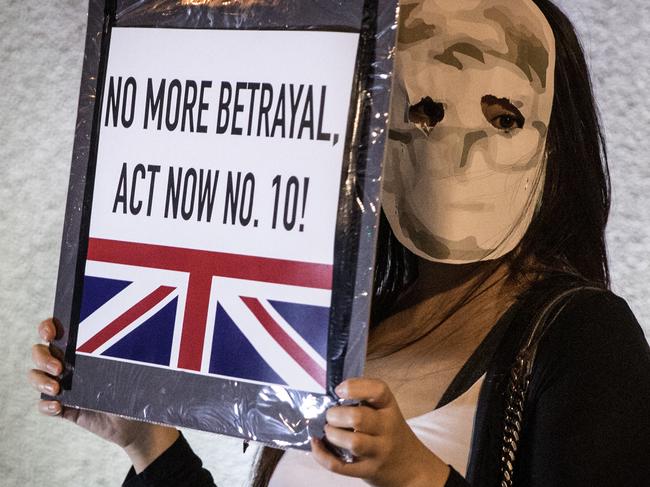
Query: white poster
point(215, 202)
point(234, 143)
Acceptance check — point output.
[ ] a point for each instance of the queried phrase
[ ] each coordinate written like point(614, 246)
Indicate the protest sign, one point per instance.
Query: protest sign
point(216, 267)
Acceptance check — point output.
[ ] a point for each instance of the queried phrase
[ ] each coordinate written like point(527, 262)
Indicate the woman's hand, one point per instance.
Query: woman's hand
point(143, 442)
point(387, 452)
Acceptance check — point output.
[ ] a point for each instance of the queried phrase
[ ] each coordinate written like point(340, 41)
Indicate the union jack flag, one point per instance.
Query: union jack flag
point(244, 318)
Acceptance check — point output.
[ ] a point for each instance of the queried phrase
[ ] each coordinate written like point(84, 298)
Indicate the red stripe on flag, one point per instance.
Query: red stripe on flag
point(194, 321)
point(214, 263)
point(285, 341)
point(125, 319)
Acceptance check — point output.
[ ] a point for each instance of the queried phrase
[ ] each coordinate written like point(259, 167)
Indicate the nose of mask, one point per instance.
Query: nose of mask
point(451, 151)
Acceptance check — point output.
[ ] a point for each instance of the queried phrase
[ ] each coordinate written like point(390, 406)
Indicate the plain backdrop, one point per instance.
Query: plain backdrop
point(41, 50)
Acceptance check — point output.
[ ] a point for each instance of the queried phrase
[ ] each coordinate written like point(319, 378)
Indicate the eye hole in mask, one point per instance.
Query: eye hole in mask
point(502, 114)
point(426, 114)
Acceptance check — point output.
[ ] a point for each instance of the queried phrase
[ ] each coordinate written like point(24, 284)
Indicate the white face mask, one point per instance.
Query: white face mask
point(471, 107)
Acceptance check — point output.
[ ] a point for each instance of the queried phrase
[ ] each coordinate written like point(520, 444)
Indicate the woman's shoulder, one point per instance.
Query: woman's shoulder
point(592, 320)
point(595, 343)
point(585, 419)
point(589, 396)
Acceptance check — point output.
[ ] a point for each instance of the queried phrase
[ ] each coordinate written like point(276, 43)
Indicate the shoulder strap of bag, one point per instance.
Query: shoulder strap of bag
point(519, 380)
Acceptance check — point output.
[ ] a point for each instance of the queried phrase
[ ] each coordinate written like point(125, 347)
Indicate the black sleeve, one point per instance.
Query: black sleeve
point(178, 466)
point(589, 418)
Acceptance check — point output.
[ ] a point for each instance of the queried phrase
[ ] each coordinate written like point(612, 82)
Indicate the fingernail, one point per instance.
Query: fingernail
point(53, 368)
point(53, 408)
point(48, 388)
point(340, 390)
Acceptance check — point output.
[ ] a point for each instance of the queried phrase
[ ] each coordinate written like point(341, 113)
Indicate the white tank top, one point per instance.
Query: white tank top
point(446, 431)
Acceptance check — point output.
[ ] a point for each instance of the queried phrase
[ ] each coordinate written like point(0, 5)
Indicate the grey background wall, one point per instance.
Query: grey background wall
point(41, 46)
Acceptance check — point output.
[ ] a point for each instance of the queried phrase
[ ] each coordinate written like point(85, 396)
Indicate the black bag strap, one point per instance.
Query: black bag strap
point(519, 380)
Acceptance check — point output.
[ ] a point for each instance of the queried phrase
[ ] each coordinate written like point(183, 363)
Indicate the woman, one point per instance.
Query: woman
point(496, 197)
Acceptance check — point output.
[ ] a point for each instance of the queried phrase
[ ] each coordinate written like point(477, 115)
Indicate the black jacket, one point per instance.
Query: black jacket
point(587, 415)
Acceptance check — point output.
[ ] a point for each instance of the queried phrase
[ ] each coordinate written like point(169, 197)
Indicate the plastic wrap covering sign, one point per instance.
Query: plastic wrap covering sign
point(217, 257)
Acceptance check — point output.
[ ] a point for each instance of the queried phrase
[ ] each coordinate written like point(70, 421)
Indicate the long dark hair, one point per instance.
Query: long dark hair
point(567, 234)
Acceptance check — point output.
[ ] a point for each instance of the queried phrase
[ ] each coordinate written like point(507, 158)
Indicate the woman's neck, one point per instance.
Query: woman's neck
point(446, 280)
point(446, 299)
